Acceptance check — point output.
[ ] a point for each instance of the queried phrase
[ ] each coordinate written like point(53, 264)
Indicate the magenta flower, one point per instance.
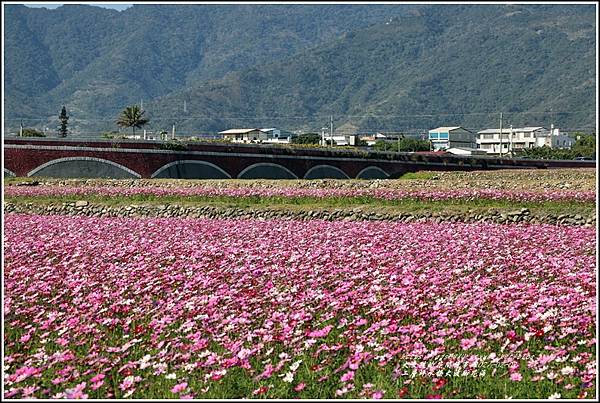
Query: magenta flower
point(466, 344)
point(348, 376)
point(179, 387)
point(321, 332)
point(516, 376)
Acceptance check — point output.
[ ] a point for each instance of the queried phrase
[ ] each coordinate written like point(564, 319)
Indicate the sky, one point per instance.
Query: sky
point(56, 5)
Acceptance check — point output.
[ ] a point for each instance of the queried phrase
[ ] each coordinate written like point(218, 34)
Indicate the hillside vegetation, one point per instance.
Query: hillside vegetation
point(373, 67)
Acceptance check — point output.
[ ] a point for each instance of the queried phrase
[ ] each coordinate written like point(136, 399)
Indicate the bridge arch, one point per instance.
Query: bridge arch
point(325, 172)
point(9, 173)
point(266, 170)
point(83, 167)
point(191, 169)
point(372, 172)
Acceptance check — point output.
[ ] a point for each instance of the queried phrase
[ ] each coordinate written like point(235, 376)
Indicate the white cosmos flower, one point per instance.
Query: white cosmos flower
point(289, 377)
point(295, 365)
point(554, 396)
point(567, 370)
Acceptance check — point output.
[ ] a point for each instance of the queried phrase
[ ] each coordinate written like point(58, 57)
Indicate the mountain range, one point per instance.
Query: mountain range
point(387, 67)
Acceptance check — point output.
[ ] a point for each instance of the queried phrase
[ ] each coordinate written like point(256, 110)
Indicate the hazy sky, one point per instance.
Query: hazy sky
point(56, 5)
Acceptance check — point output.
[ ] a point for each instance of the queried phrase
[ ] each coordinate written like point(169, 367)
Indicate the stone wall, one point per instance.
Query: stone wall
point(85, 208)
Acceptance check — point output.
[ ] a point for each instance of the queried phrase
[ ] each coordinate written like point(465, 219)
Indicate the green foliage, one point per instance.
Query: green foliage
point(304, 60)
point(64, 119)
point(360, 143)
point(27, 132)
point(132, 116)
point(364, 73)
point(112, 135)
point(403, 145)
point(585, 146)
point(173, 146)
point(547, 153)
point(307, 138)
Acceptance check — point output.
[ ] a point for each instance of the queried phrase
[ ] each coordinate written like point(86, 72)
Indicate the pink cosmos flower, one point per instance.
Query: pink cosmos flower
point(179, 387)
point(348, 376)
point(321, 332)
point(97, 385)
point(29, 390)
point(515, 377)
point(299, 387)
point(77, 392)
point(127, 383)
point(97, 378)
point(378, 394)
point(466, 344)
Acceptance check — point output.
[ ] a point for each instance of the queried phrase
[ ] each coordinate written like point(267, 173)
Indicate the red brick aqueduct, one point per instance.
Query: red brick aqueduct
point(153, 159)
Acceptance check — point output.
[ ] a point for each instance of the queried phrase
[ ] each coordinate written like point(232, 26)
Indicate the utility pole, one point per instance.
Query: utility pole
point(500, 152)
point(184, 107)
point(331, 129)
point(173, 133)
point(21, 129)
point(141, 104)
point(510, 141)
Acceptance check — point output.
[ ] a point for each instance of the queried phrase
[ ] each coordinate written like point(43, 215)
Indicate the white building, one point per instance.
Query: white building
point(517, 139)
point(372, 139)
point(446, 137)
point(277, 136)
point(244, 135)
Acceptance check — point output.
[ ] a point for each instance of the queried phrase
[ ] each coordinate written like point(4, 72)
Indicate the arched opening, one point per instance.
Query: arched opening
point(325, 172)
point(190, 169)
point(266, 170)
point(372, 173)
point(83, 167)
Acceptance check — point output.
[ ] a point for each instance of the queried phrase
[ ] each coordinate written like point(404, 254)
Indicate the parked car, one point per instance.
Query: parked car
point(583, 159)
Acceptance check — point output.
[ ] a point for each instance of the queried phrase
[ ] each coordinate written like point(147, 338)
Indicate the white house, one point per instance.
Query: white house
point(446, 137)
point(275, 135)
point(555, 139)
point(244, 135)
point(372, 139)
point(517, 139)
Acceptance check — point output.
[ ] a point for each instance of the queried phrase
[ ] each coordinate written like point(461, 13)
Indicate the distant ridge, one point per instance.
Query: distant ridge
point(372, 67)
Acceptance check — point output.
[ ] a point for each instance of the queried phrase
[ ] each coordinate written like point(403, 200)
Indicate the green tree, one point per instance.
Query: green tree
point(585, 146)
point(132, 116)
point(27, 132)
point(307, 138)
point(64, 119)
point(408, 145)
point(404, 145)
point(381, 145)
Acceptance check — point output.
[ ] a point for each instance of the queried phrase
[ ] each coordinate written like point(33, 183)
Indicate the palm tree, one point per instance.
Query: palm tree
point(132, 116)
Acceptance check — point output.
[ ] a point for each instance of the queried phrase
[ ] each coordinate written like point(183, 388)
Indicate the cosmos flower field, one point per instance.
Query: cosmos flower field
point(199, 308)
